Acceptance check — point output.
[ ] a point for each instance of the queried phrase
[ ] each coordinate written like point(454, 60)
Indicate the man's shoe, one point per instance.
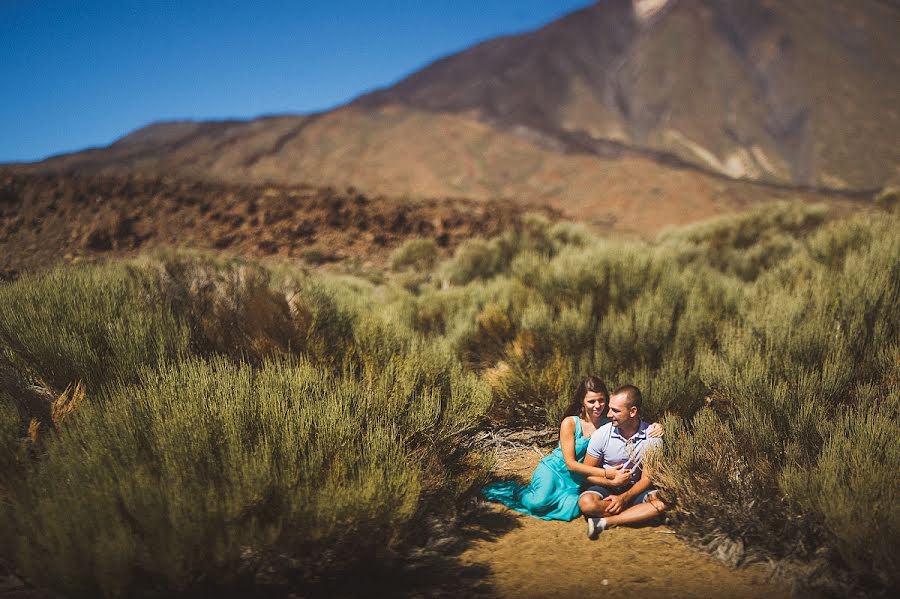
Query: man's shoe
point(595, 527)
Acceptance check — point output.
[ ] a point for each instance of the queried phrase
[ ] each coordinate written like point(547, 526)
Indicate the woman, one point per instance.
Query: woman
point(553, 491)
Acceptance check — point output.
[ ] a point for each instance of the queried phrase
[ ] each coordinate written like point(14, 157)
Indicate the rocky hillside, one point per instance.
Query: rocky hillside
point(46, 220)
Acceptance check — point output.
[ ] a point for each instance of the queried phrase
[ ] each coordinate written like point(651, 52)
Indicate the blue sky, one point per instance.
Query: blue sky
point(81, 73)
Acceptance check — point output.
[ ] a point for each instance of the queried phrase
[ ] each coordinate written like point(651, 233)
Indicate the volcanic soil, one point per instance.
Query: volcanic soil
point(47, 220)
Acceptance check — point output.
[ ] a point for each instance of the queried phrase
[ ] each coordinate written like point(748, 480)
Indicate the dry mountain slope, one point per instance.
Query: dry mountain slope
point(803, 92)
point(596, 114)
point(396, 151)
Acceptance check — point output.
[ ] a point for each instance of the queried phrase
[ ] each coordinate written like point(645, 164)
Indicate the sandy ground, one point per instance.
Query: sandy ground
point(534, 558)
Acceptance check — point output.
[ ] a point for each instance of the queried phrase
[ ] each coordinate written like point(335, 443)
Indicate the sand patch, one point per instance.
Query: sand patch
point(535, 558)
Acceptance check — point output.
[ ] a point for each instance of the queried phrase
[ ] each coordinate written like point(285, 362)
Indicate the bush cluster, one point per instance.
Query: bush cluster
point(183, 418)
point(229, 416)
point(758, 334)
point(178, 477)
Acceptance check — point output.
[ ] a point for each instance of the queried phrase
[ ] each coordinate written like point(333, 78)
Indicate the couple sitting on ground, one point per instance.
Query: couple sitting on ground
point(598, 470)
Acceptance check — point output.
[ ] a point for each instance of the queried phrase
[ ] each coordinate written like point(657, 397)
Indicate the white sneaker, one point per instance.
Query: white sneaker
point(595, 527)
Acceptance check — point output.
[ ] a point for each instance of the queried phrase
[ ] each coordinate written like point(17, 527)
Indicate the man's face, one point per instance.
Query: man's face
point(619, 412)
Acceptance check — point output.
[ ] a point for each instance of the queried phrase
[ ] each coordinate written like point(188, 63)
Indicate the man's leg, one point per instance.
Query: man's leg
point(593, 503)
point(651, 507)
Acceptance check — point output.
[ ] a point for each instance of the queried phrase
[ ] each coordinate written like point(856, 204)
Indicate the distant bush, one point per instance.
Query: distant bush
point(415, 253)
point(483, 259)
point(747, 244)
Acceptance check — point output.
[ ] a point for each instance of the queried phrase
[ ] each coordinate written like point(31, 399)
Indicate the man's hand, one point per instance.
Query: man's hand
point(655, 430)
point(616, 504)
point(622, 476)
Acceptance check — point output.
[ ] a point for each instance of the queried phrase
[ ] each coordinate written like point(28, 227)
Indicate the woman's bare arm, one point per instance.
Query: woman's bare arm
point(591, 469)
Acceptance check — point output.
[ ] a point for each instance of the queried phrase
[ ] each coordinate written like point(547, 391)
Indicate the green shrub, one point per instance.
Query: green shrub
point(479, 259)
point(419, 254)
point(176, 480)
point(96, 325)
point(748, 244)
point(726, 489)
point(852, 486)
point(475, 259)
point(789, 376)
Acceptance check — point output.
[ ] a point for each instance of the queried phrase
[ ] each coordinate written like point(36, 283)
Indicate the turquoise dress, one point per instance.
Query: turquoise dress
point(553, 491)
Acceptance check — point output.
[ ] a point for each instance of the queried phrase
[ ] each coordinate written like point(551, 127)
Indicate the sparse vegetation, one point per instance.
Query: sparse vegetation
point(234, 413)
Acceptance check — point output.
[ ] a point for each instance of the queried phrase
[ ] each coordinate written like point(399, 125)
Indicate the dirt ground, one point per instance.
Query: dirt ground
point(536, 558)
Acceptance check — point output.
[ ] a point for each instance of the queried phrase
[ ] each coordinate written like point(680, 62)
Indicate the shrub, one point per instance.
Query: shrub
point(179, 479)
point(419, 254)
point(745, 245)
point(95, 325)
point(228, 304)
point(798, 378)
point(726, 489)
point(852, 487)
point(475, 259)
point(479, 259)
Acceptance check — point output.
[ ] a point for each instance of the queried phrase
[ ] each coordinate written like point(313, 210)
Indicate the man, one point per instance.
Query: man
point(621, 443)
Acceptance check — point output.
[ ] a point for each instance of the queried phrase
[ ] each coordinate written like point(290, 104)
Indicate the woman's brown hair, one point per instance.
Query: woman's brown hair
point(593, 384)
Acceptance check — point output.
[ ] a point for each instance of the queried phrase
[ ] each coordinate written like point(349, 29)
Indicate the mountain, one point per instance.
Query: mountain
point(804, 92)
point(647, 111)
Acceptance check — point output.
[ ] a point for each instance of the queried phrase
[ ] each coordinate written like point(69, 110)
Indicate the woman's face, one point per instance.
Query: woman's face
point(595, 405)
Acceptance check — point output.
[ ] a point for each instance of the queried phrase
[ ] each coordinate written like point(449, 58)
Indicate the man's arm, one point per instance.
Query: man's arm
point(618, 502)
point(612, 477)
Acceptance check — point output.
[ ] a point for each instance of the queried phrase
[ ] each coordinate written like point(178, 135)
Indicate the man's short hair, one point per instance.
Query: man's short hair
point(633, 397)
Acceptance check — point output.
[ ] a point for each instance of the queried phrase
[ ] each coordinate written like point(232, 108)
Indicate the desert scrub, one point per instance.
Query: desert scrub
point(96, 325)
point(748, 244)
point(171, 481)
point(614, 308)
point(803, 373)
point(852, 487)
